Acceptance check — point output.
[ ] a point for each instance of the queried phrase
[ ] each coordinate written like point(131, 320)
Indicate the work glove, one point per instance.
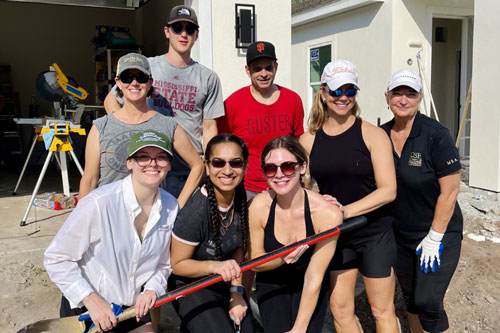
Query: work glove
point(430, 249)
point(86, 316)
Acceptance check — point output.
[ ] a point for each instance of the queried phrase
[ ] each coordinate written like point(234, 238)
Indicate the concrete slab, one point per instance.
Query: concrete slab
point(26, 292)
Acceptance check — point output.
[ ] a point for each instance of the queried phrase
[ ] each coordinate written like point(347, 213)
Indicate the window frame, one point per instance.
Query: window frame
point(311, 85)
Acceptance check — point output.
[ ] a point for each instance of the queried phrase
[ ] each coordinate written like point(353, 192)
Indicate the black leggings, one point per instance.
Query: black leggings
point(279, 306)
point(424, 293)
point(207, 310)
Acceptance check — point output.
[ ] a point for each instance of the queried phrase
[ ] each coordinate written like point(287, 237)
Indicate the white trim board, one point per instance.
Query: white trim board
point(330, 10)
point(450, 12)
point(203, 49)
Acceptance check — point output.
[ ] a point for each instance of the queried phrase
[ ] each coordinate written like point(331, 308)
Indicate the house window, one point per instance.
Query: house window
point(319, 56)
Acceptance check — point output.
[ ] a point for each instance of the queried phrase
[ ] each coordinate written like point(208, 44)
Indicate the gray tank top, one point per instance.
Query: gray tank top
point(114, 139)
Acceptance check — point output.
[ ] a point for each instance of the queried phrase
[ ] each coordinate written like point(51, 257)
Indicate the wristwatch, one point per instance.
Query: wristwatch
point(237, 289)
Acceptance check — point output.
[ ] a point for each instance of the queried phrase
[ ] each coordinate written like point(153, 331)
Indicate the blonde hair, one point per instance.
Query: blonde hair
point(319, 112)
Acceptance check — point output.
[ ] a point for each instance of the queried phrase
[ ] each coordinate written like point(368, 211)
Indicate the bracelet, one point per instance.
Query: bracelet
point(237, 289)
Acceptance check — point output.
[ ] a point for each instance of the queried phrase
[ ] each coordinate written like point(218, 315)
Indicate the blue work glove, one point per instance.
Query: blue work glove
point(86, 316)
point(430, 249)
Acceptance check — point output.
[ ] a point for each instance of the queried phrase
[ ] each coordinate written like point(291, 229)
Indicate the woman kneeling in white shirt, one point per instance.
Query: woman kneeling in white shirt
point(115, 246)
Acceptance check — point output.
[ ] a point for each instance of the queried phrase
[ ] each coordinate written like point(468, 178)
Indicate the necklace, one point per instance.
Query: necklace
point(223, 220)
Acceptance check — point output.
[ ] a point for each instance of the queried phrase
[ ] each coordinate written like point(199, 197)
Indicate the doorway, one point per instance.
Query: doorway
point(451, 74)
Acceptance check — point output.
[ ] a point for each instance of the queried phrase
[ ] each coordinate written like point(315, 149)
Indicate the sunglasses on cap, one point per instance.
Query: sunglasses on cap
point(128, 77)
point(218, 163)
point(349, 92)
point(287, 168)
point(178, 27)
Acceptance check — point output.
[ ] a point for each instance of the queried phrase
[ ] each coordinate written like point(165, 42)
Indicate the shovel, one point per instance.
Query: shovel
point(71, 324)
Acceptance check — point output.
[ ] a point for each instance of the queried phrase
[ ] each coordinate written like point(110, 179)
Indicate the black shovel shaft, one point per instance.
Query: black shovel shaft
point(347, 226)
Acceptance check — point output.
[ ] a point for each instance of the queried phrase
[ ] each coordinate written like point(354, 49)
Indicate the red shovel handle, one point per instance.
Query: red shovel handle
point(347, 226)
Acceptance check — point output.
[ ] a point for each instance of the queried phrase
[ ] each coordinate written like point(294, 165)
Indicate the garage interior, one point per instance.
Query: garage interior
point(76, 35)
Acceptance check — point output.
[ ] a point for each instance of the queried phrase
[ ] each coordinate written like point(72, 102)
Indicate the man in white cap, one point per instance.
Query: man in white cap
point(260, 112)
point(184, 89)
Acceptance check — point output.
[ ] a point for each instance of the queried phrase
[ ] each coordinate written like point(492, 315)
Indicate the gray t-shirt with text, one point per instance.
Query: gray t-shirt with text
point(190, 94)
point(114, 139)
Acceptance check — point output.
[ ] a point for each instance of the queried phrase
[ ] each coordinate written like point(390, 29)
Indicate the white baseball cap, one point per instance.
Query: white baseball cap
point(340, 72)
point(405, 77)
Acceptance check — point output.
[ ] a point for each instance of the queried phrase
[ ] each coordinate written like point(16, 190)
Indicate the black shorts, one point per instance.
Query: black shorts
point(124, 326)
point(373, 256)
point(424, 293)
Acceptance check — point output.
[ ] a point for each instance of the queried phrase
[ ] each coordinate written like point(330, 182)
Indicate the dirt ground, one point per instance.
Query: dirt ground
point(27, 295)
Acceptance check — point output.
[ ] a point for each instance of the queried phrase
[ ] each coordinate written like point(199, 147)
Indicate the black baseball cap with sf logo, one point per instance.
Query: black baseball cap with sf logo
point(260, 49)
point(182, 13)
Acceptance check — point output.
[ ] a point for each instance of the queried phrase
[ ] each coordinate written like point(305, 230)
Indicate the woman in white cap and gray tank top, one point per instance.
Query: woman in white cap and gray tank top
point(107, 142)
point(351, 160)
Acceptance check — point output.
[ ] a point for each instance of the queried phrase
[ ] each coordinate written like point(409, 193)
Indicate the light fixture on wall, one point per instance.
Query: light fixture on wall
point(244, 25)
point(440, 35)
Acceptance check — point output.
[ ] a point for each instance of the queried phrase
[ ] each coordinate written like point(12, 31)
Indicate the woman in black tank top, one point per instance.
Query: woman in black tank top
point(351, 160)
point(283, 215)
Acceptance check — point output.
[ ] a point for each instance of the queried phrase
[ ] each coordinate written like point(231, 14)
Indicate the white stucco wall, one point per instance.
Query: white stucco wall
point(379, 38)
point(409, 30)
point(361, 36)
point(413, 22)
point(411, 34)
point(485, 113)
point(376, 38)
point(273, 21)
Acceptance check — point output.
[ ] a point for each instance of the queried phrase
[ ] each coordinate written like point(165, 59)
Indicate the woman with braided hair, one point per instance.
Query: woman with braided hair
point(210, 236)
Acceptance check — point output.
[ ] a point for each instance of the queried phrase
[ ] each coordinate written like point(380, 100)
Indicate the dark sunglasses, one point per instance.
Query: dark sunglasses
point(236, 163)
point(287, 168)
point(178, 27)
point(127, 77)
point(349, 92)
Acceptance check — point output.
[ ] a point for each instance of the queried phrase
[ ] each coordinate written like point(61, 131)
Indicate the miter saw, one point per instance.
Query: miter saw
point(55, 132)
point(55, 87)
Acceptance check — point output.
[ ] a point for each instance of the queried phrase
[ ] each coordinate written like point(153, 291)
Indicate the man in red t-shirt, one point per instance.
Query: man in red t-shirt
point(260, 112)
